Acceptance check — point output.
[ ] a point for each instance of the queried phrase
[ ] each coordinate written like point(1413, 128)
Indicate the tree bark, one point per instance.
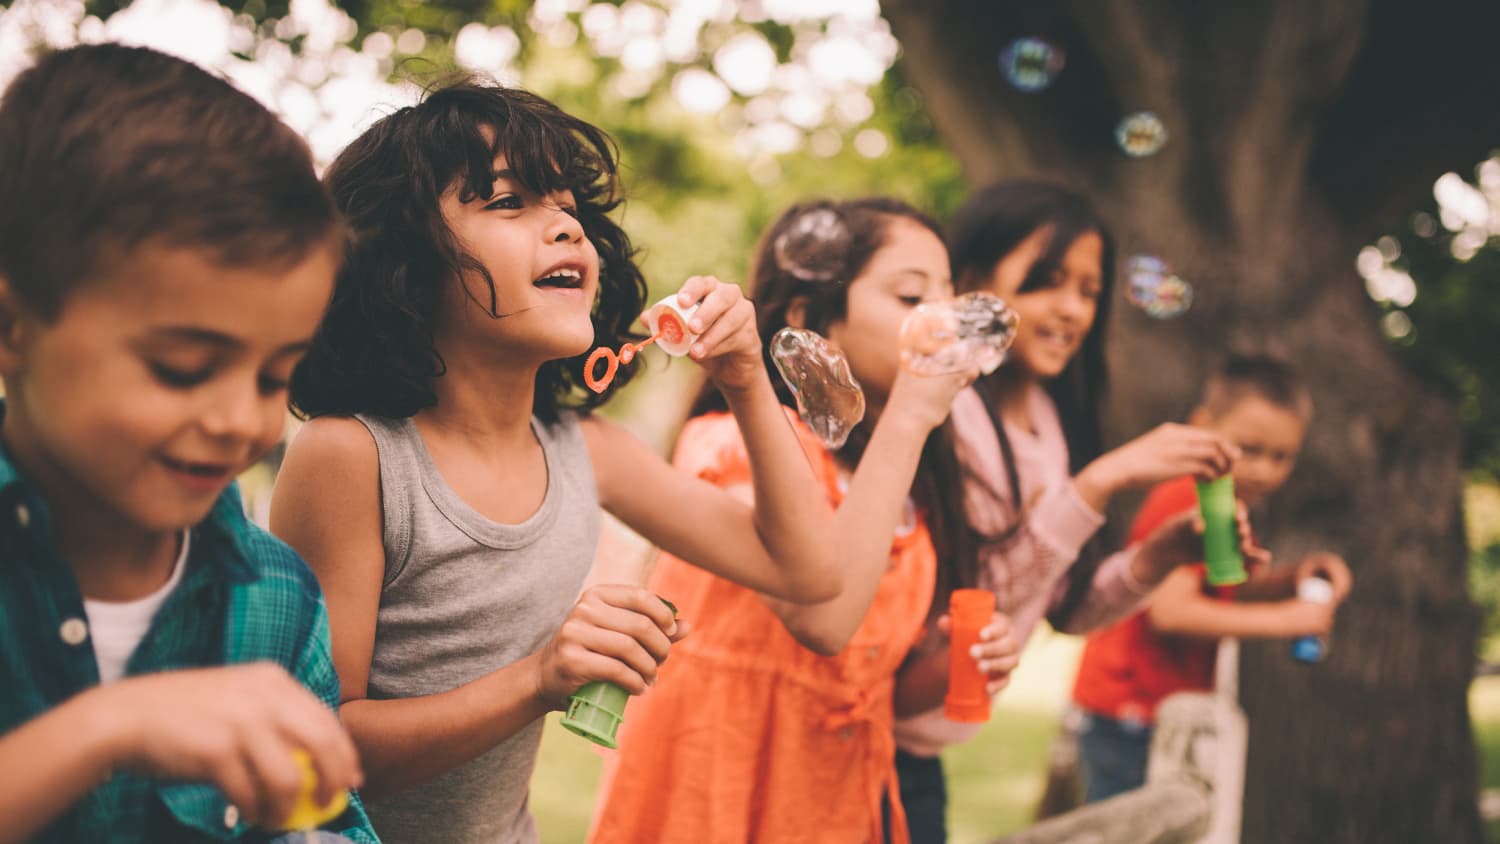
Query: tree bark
point(1297, 132)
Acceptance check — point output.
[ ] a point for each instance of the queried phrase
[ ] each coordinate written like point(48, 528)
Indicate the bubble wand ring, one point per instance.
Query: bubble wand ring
point(612, 363)
point(670, 331)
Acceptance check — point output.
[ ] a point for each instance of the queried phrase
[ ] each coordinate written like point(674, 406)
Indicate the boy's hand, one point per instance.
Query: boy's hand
point(1305, 618)
point(926, 400)
point(616, 633)
point(1332, 568)
point(997, 652)
point(728, 344)
point(1179, 541)
point(1165, 452)
point(236, 727)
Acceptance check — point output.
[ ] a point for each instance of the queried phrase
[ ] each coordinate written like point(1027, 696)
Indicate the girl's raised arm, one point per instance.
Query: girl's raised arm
point(781, 545)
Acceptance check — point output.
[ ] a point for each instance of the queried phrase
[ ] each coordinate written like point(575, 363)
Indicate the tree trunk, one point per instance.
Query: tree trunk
point(1298, 132)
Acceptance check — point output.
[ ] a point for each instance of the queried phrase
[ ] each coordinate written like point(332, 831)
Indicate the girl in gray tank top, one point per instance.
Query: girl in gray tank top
point(447, 490)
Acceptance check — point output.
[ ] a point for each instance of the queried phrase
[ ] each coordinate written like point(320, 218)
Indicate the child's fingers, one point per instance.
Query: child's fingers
point(720, 335)
point(694, 289)
point(233, 777)
point(640, 631)
point(304, 722)
point(1000, 666)
point(275, 775)
point(684, 627)
point(998, 627)
point(629, 650)
point(996, 686)
point(636, 600)
point(589, 666)
point(945, 624)
point(586, 652)
point(335, 761)
point(723, 299)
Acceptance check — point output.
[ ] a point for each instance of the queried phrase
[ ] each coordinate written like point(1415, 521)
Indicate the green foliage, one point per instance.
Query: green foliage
point(1455, 322)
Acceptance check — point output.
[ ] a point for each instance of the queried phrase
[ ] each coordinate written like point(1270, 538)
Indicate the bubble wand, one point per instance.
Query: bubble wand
point(668, 325)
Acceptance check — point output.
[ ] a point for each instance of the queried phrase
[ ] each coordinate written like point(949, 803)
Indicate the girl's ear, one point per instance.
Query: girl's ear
point(796, 312)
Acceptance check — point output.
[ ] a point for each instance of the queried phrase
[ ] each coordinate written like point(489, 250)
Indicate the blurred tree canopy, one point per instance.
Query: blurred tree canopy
point(692, 174)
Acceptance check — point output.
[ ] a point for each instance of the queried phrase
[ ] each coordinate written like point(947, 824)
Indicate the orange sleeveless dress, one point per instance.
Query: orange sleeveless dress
point(747, 736)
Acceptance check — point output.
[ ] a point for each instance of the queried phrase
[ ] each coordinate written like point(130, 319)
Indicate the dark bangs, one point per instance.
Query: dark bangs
point(375, 352)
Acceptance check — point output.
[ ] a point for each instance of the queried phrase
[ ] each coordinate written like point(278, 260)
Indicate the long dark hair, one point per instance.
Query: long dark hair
point(936, 487)
point(375, 352)
point(989, 225)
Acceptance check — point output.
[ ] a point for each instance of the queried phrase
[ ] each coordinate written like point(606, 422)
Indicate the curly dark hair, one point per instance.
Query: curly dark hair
point(375, 351)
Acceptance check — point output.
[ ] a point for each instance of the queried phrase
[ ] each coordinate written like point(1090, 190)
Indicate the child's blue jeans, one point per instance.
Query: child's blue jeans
point(1111, 755)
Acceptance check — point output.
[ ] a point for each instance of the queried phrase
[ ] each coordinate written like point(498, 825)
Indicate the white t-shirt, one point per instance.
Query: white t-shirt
point(118, 626)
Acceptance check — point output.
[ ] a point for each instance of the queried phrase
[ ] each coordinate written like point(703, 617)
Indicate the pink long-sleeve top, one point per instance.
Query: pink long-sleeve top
point(1027, 567)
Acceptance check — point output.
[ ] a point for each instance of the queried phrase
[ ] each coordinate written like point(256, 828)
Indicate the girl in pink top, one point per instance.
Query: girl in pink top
point(1035, 484)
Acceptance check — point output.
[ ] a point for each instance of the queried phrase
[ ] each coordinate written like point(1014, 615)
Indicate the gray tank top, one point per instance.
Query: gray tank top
point(464, 596)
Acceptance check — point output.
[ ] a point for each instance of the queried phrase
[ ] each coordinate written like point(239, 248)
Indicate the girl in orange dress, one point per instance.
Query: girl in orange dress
point(772, 722)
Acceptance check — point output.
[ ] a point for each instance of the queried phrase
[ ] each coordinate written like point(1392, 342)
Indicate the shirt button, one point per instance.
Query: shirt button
point(23, 515)
point(231, 816)
point(872, 653)
point(74, 631)
point(846, 734)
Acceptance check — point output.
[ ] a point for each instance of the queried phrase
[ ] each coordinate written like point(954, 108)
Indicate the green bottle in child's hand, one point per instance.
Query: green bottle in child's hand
point(1221, 541)
point(597, 709)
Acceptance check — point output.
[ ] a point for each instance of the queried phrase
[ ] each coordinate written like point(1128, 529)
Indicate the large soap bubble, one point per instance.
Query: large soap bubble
point(814, 246)
point(952, 335)
point(829, 400)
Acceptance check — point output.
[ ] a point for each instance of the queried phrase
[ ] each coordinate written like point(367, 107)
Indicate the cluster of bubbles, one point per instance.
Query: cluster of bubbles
point(952, 335)
point(829, 400)
point(1031, 64)
point(1155, 289)
point(814, 246)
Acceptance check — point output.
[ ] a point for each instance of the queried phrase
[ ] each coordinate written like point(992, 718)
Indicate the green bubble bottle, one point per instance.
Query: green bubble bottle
point(597, 709)
point(1221, 541)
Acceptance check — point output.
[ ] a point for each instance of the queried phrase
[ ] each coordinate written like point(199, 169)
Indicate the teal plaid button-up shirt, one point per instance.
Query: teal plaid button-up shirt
point(244, 596)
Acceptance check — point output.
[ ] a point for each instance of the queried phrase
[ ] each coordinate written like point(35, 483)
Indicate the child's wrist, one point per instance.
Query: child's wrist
point(539, 698)
point(111, 742)
point(758, 385)
point(1096, 484)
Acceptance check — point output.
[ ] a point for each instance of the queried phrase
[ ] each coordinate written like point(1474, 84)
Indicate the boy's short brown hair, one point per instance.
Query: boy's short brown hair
point(104, 147)
point(1263, 377)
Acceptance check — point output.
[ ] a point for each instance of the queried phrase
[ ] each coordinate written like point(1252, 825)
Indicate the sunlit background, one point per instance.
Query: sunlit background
point(726, 112)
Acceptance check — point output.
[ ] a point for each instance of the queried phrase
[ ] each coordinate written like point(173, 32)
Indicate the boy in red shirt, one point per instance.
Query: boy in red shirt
point(1127, 669)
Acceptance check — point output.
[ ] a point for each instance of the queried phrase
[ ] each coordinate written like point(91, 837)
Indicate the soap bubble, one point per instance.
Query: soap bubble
point(1155, 289)
point(952, 335)
point(1144, 273)
point(1141, 134)
point(1173, 297)
point(1030, 64)
point(829, 400)
point(814, 246)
